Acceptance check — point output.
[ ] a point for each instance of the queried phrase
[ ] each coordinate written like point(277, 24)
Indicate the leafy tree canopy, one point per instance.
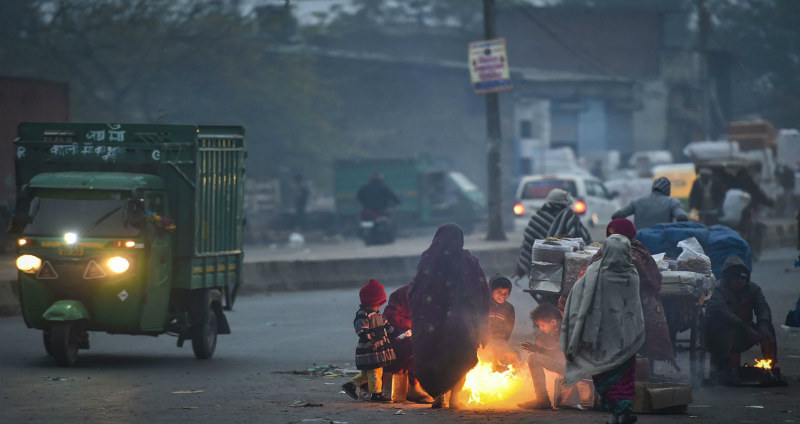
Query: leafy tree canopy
point(190, 61)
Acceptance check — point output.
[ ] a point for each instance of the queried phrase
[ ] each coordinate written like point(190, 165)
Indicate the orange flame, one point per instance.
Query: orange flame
point(485, 385)
point(763, 363)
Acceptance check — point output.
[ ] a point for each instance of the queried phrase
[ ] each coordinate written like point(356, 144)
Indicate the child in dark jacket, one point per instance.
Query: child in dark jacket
point(373, 351)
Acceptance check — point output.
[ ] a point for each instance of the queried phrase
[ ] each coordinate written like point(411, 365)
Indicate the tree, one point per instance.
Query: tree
point(195, 61)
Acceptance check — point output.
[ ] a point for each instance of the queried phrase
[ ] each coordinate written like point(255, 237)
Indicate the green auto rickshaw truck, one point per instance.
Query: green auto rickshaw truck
point(128, 229)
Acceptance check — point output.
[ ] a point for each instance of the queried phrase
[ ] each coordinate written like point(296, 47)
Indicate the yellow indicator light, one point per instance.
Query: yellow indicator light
point(118, 264)
point(22, 242)
point(519, 209)
point(28, 263)
point(130, 243)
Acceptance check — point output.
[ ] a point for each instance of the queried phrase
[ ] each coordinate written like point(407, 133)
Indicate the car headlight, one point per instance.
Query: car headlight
point(118, 264)
point(29, 264)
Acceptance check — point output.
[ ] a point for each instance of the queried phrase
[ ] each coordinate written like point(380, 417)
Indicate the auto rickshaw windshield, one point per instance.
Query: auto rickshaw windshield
point(89, 213)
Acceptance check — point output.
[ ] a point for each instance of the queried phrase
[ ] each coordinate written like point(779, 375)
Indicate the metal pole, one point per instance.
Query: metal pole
point(495, 207)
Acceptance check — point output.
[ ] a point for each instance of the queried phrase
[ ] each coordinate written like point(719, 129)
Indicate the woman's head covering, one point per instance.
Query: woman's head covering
point(622, 226)
point(449, 302)
point(559, 197)
point(662, 185)
point(372, 295)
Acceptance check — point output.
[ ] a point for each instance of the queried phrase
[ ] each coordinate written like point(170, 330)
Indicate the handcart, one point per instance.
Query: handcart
point(683, 294)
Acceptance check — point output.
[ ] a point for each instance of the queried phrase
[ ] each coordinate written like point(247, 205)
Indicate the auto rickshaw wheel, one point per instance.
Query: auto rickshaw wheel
point(48, 342)
point(64, 343)
point(204, 336)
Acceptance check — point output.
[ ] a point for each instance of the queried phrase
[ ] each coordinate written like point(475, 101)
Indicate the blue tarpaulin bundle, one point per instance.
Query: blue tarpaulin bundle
point(718, 241)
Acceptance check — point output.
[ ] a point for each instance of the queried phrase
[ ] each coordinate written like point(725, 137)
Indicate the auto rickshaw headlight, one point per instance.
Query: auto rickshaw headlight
point(29, 264)
point(118, 264)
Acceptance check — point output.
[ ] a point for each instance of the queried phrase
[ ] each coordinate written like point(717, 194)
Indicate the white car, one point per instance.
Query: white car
point(593, 202)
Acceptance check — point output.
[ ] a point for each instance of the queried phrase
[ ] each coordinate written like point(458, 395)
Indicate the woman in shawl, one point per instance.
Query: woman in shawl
point(603, 328)
point(449, 301)
point(658, 343)
point(554, 218)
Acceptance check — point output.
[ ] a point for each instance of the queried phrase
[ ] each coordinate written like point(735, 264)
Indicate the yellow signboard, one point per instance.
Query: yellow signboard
point(488, 66)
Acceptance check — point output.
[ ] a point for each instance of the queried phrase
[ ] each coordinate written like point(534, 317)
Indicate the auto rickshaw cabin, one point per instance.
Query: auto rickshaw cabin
point(128, 228)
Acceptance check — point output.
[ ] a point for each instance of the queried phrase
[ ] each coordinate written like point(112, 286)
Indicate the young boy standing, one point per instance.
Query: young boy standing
point(545, 353)
point(373, 351)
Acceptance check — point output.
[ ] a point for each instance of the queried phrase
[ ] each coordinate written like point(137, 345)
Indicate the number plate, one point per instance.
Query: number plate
point(71, 251)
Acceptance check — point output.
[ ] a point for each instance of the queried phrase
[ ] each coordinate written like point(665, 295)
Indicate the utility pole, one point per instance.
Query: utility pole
point(495, 228)
point(703, 80)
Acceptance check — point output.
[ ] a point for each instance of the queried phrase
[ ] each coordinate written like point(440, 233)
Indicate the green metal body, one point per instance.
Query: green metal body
point(66, 310)
point(428, 194)
point(191, 175)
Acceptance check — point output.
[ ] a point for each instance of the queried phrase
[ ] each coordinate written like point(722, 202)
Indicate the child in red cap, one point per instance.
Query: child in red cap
point(373, 351)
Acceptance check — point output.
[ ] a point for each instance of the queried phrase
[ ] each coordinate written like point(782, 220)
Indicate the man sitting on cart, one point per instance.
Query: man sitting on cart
point(730, 329)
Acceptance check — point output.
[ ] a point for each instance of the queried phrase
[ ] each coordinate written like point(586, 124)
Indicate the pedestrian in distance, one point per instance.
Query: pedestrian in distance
point(545, 353)
point(449, 301)
point(554, 218)
point(373, 351)
point(707, 195)
point(785, 176)
point(301, 194)
point(654, 209)
point(603, 328)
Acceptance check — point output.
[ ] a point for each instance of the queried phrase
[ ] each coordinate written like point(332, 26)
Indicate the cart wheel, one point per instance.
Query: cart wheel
point(697, 349)
point(64, 343)
point(204, 337)
point(48, 342)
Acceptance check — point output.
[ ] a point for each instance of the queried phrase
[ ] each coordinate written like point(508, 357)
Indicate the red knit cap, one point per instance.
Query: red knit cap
point(372, 294)
point(621, 226)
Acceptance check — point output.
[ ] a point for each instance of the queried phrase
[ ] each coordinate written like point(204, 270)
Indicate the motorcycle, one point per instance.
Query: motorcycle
point(376, 227)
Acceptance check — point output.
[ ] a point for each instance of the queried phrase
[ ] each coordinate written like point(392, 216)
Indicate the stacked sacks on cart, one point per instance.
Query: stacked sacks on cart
point(718, 242)
point(556, 264)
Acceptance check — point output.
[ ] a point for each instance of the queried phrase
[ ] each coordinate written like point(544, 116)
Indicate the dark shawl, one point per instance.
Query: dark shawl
point(449, 301)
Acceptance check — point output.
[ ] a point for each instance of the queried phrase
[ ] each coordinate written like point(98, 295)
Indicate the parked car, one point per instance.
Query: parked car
point(593, 202)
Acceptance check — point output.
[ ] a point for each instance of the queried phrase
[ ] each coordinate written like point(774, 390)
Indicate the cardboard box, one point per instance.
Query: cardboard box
point(579, 396)
point(662, 398)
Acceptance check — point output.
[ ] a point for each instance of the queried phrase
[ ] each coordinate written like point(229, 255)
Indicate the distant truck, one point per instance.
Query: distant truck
point(428, 195)
point(128, 229)
point(23, 99)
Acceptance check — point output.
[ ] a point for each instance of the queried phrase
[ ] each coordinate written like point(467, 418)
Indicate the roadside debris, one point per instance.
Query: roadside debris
point(331, 370)
point(304, 404)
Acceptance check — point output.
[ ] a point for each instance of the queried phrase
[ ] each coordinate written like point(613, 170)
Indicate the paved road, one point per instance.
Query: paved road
point(133, 378)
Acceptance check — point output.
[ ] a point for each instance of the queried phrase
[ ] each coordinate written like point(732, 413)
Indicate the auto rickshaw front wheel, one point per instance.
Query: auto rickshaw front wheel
point(204, 336)
point(64, 343)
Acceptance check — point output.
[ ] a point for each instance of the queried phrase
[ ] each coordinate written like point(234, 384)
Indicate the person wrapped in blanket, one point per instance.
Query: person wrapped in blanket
point(603, 328)
point(554, 218)
point(658, 342)
point(373, 351)
point(449, 301)
point(730, 329)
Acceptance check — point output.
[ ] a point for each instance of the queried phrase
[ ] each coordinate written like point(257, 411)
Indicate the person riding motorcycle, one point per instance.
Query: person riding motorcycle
point(376, 197)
